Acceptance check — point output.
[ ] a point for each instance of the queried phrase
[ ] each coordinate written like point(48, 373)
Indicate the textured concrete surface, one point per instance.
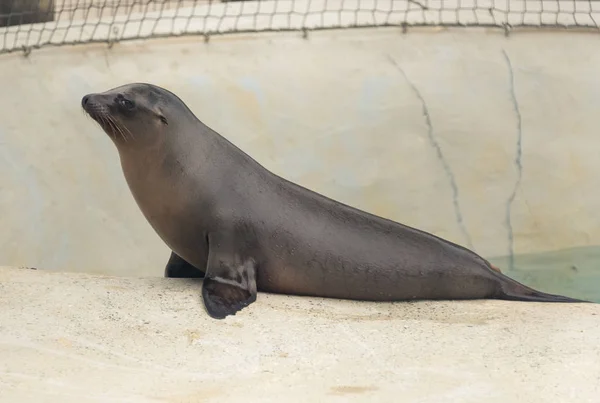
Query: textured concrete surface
point(82, 338)
point(485, 140)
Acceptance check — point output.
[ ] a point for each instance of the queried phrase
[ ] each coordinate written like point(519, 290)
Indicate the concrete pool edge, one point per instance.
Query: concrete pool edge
point(79, 337)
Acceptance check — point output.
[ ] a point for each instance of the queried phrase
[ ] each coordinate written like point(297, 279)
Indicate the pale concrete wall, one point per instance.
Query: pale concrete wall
point(341, 113)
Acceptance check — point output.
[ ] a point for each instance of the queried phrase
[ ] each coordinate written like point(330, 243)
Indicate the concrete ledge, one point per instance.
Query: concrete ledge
point(82, 338)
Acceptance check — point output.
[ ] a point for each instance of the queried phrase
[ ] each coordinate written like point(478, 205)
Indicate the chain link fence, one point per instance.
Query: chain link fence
point(31, 24)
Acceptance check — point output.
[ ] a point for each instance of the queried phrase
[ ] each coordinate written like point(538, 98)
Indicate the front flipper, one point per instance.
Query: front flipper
point(177, 267)
point(230, 281)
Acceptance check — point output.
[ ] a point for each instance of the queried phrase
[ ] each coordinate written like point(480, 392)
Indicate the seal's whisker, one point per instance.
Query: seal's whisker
point(102, 121)
point(99, 120)
point(108, 123)
point(128, 131)
point(119, 128)
point(113, 127)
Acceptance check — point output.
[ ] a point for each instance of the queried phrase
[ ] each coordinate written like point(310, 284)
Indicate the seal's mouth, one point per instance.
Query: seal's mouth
point(101, 113)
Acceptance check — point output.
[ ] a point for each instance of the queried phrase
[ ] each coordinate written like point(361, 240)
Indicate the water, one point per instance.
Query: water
point(571, 272)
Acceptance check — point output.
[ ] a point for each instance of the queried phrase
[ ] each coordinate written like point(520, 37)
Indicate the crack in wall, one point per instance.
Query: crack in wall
point(439, 153)
point(518, 163)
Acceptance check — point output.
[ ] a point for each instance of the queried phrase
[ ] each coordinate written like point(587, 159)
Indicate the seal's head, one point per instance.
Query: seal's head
point(131, 111)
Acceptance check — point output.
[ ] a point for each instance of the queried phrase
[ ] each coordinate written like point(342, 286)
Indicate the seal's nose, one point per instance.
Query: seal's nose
point(85, 100)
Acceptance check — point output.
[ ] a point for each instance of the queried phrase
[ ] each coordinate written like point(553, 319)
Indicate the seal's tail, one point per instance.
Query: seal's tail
point(514, 291)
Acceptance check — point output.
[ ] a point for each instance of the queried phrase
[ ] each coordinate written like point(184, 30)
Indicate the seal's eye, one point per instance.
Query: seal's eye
point(125, 103)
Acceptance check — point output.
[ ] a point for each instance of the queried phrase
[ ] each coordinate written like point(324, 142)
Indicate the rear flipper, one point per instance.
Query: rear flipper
point(179, 268)
point(514, 291)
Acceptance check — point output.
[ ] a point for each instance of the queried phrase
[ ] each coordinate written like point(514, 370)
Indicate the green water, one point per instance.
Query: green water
point(572, 272)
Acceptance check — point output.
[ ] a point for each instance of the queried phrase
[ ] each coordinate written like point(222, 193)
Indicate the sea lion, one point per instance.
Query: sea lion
point(247, 229)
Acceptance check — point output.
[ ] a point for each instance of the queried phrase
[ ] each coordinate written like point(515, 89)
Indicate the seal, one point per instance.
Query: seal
point(245, 229)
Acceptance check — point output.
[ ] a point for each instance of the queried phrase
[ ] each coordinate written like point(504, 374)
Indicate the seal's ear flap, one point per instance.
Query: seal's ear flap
point(230, 282)
point(161, 116)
